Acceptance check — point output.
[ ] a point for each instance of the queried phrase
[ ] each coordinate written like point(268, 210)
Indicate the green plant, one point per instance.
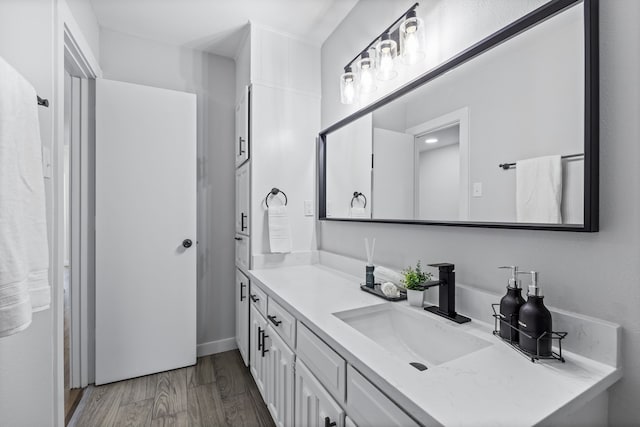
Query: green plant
point(415, 277)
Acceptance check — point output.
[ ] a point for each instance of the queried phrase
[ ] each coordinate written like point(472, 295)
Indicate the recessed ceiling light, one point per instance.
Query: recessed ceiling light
point(431, 140)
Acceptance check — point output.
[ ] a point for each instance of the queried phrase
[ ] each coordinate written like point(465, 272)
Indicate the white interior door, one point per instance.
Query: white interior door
point(145, 212)
point(393, 178)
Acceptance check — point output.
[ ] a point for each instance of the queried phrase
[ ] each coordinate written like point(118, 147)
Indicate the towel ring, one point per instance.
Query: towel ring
point(356, 195)
point(274, 192)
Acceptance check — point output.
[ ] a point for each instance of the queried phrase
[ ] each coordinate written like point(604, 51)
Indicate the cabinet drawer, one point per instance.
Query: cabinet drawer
point(242, 252)
point(258, 299)
point(282, 322)
point(367, 406)
point(325, 363)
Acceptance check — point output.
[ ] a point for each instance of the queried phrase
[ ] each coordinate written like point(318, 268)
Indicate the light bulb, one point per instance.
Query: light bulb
point(411, 47)
point(386, 64)
point(349, 92)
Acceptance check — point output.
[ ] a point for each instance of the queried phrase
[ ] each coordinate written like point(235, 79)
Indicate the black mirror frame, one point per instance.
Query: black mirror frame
point(591, 118)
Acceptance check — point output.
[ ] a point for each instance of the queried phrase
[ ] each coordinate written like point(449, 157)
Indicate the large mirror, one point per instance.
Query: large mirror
point(503, 135)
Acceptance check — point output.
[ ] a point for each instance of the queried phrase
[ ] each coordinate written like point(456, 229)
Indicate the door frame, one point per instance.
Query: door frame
point(461, 118)
point(71, 48)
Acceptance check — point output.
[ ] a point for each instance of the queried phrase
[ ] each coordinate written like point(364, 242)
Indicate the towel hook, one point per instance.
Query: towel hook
point(274, 192)
point(356, 195)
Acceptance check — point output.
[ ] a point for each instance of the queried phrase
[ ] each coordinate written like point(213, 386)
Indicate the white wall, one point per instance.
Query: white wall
point(285, 77)
point(26, 359)
point(349, 167)
point(439, 183)
point(212, 79)
point(594, 274)
point(82, 11)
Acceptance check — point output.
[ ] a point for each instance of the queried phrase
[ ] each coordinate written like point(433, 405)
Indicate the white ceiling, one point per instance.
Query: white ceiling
point(445, 136)
point(216, 25)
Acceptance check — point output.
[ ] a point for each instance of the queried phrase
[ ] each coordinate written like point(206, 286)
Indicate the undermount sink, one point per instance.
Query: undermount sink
point(412, 335)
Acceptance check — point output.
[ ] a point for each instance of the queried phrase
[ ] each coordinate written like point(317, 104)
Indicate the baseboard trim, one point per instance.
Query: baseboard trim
point(219, 346)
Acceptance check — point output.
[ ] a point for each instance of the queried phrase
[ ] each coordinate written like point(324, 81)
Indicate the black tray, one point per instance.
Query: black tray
point(377, 292)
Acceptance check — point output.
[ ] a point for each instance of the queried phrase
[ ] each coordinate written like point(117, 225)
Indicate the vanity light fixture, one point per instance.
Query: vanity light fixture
point(348, 86)
point(378, 57)
point(431, 140)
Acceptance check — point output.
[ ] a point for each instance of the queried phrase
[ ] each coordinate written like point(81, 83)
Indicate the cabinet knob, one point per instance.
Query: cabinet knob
point(187, 243)
point(328, 422)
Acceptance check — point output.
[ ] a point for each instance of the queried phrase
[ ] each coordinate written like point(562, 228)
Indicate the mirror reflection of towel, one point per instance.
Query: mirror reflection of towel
point(358, 213)
point(279, 230)
point(539, 190)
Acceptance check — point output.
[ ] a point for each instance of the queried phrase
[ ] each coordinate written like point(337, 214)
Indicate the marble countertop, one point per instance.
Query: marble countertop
point(492, 386)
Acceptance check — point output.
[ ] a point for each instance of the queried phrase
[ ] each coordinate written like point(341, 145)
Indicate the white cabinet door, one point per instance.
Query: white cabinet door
point(242, 199)
point(242, 252)
point(258, 352)
point(280, 380)
point(348, 422)
point(242, 315)
point(367, 405)
point(242, 128)
point(314, 406)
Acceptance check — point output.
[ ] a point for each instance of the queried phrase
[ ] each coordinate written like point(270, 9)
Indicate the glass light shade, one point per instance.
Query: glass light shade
point(365, 67)
point(348, 86)
point(386, 52)
point(412, 39)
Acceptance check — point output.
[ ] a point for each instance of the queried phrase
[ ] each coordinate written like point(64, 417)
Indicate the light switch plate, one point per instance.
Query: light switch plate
point(46, 162)
point(477, 189)
point(308, 208)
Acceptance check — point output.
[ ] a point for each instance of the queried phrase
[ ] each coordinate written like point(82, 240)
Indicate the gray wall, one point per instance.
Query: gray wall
point(212, 78)
point(593, 274)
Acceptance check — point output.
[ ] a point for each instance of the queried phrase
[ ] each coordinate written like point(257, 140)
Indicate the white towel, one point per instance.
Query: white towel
point(279, 230)
point(358, 212)
point(539, 190)
point(24, 256)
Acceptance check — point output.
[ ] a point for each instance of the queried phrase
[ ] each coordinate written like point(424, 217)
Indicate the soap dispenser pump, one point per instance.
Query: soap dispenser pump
point(535, 321)
point(510, 307)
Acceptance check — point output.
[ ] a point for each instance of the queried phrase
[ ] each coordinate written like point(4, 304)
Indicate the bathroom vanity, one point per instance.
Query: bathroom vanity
point(323, 352)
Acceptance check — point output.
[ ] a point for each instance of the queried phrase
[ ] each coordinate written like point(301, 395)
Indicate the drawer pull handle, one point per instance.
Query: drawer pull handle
point(274, 321)
point(328, 423)
point(242, 286)
point(264, 344)
point(254, 298)
point(259, 338)
point(243, 216)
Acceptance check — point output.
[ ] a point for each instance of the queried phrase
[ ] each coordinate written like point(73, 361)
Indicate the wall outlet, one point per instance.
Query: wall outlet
point(308, 208)
point(477, 189)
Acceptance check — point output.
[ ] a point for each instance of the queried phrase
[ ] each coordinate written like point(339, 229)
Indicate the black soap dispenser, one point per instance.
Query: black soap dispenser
point(534, 321)
point(510, 307)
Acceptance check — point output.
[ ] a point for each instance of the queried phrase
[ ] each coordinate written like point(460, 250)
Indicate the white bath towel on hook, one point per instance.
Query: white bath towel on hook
point(24, 256)
point(279, 230)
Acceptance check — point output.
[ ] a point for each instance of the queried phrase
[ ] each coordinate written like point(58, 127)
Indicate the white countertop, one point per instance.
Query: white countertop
point(493, 386)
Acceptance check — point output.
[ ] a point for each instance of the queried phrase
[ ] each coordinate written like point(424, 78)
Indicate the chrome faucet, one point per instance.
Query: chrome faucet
point(447, 293)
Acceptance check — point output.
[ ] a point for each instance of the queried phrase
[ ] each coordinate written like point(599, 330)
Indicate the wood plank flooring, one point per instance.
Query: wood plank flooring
point(217, 391)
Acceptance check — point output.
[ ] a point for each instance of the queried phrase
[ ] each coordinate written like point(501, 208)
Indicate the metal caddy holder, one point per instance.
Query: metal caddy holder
point(559, 336)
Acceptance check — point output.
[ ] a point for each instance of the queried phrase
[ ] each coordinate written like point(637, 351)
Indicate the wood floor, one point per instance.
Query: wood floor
point(218, 391)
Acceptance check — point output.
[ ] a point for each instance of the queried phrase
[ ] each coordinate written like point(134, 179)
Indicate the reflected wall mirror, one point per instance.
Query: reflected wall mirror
point(503, 135)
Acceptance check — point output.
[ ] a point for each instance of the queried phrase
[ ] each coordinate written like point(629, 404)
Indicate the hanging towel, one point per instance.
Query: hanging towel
point(24, 256)
point(279, 230)
point(358, 212)
point(539, 190)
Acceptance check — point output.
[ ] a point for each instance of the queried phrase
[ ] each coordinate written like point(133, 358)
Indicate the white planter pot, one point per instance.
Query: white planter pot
point(415, 298)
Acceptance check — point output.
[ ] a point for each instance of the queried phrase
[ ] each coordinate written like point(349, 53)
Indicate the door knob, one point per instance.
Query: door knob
point(187, 243)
